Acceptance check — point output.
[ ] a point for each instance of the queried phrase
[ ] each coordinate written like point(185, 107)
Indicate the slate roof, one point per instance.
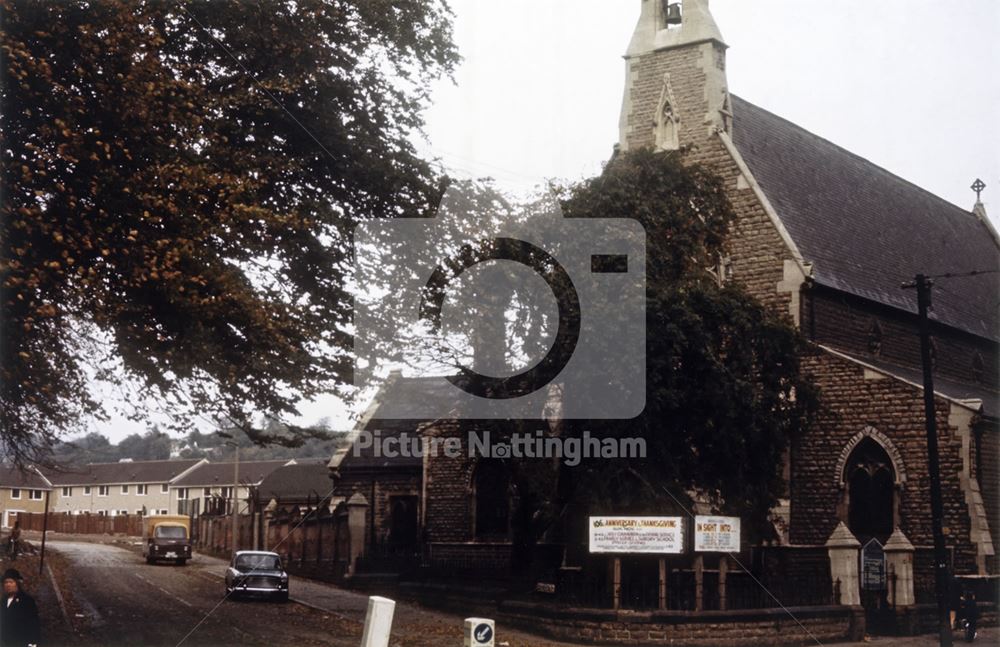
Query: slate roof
point(297, 482)
point(396, 396)
point(28, 478)
point(114, 473)
point(213, 474)
point(865, 230)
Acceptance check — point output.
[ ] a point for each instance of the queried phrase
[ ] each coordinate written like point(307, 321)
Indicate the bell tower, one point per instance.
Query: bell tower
point(676, 93)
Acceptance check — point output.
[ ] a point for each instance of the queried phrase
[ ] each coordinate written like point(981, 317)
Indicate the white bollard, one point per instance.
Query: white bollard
point(479, 632)
point(378, 622)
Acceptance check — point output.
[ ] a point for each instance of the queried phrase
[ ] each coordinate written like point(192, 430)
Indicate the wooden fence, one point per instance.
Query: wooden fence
point(311, 542)
point(82, 524)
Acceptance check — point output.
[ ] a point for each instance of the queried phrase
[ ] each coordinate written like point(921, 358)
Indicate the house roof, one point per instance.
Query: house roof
point(866, 231)
point(212, 474)
point(299, 481)
point(397, 395)
point(125, 472)
point(28, 478)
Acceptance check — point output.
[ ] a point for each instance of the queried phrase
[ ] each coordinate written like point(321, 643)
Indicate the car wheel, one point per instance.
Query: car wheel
point(149, 559)
point(181, 561)
point(283, 597)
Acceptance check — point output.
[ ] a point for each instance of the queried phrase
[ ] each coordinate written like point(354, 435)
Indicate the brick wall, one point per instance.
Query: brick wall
point(710, 628)
point(448, 489)
point(851, 402)
point(383, 484)
point(989, 478)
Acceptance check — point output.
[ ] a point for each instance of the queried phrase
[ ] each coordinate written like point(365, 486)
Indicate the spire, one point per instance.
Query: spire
point(653, 32)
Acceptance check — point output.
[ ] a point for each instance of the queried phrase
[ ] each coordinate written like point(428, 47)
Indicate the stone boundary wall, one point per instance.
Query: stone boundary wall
point(770, 627)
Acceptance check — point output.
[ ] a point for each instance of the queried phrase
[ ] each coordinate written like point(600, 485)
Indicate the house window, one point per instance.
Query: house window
point(492, 499)
point(182, 494)
point(161, 511)
point(140, 490)
point(123, 513)
point(15, 493)
point(124, 489)
point(67, 491)
point(102, 490)
point(36, 495)
point(164, 488)
point(227, 492)
point(139, 512)
point(102, 513)
point(207, 492)
point(86, 489)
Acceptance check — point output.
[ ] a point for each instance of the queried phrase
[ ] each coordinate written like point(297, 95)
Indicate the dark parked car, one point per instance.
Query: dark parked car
point(257, 573)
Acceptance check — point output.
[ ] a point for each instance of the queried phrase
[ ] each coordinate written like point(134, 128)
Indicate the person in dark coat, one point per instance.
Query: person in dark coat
point(970, 612)
point(19, 625)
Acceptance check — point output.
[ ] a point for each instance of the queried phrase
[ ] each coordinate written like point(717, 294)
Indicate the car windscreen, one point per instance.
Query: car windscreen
point(258, 563)
point(170, 532)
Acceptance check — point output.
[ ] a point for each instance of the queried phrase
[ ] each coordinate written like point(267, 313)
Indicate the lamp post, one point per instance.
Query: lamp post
point(234, 496)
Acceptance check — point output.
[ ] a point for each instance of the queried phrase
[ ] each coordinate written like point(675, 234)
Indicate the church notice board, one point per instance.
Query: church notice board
point(636, 535)
point(873, 575)
point(716, 534)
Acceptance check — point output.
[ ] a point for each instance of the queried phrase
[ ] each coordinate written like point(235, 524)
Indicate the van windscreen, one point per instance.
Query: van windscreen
point(170, 532)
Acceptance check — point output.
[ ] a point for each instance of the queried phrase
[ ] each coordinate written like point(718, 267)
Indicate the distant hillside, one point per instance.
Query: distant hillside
point(156, 445)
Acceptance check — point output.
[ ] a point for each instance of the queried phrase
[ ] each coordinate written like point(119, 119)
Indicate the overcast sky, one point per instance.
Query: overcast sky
point(908, 84)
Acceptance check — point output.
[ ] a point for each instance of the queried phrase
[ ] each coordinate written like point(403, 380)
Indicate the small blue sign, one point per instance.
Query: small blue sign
point(483, 633)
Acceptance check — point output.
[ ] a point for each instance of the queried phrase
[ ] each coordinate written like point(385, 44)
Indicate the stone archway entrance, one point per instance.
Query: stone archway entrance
point(870, 493)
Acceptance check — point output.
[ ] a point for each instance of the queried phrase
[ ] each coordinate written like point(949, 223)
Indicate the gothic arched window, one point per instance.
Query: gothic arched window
point(870, 480)
point(875, 337)
point(978, 368)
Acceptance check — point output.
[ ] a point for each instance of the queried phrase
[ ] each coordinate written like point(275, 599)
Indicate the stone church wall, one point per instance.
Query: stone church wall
point(854, 399)
point(757, 253)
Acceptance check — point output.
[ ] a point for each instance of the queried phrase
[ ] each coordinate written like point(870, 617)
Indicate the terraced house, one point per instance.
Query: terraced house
point(126, 487)
point(209, 487)
point(21, 490)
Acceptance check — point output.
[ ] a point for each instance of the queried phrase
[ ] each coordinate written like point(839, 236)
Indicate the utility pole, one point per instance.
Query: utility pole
point(235, 496)
point(941, 576)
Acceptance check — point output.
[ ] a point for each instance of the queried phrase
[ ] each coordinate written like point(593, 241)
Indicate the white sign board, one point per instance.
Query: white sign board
point(636, 535)
point(716, 534)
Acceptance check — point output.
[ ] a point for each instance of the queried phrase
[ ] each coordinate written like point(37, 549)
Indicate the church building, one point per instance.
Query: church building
point(827, 239)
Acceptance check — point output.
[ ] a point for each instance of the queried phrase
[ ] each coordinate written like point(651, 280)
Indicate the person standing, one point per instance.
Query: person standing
point(19, 624)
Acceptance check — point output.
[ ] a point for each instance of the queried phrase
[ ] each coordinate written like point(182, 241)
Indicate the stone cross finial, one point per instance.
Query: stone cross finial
point(978, 187)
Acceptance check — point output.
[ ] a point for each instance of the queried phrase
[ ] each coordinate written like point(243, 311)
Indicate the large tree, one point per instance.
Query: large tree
point(180, 183)
point(724, 391)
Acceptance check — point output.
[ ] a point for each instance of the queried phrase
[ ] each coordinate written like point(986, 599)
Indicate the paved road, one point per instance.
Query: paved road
point(117, 599)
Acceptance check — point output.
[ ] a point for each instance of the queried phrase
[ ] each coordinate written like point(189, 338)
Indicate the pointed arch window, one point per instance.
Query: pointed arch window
point(871, 491)
point(978, 368)
point(875, 337)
